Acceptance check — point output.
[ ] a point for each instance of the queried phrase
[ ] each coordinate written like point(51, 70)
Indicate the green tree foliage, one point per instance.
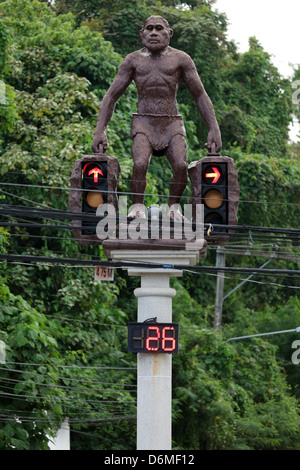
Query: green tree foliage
point(57, 63)
point(237, 396)
point(8, 113)
point(296, 92)
point(57, 112)
point(30, 413)
point(258, 101)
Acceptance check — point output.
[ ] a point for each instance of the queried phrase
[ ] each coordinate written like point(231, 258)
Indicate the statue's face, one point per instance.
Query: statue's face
point(155, 35)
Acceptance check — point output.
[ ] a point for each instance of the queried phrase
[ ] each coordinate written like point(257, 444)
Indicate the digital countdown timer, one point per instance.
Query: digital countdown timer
point(153, 338)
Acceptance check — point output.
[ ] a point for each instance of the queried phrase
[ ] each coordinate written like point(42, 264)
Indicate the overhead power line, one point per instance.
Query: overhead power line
point(130, 264)
point(85, 380)
point(294, 330)
point(25, 211)
point(267, 187)
point(129, 193)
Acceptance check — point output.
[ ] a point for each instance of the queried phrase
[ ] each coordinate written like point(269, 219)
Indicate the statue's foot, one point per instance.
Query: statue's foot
point(138, 211)
point(173, 213)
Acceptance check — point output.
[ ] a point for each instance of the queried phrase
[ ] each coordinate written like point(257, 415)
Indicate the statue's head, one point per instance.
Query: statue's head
point(156, 33)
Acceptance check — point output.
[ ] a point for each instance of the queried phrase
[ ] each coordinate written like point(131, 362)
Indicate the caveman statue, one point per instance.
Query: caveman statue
point(157, 128)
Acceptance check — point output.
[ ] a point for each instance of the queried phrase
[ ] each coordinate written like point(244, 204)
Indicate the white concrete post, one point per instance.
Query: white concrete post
point(62, 438)
point(154, 371)
point(2, 352)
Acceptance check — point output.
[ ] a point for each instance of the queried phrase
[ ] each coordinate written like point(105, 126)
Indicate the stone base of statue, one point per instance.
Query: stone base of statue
point(155, 235)
point(147, 238)
point(154, 245)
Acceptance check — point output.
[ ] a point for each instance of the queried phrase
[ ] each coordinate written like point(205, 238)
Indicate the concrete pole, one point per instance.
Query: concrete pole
point(62, 438)
point(154, 371)
point(2, 352)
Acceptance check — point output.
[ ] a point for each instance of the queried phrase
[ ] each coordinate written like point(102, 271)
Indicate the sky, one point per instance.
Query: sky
point(276, 26)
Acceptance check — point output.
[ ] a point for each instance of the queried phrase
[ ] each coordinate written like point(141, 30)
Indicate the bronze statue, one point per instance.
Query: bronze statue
point(157, 128)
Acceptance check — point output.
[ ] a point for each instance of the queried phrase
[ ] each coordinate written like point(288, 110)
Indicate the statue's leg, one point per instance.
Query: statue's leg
point(141, 154)
point(177, 157)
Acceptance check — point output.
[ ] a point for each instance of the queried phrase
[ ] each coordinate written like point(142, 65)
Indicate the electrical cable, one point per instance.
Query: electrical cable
point(130, 264)
point(57, 265)
point(35, 374)
point(230, 244)
point(159, 178)
point(128, 193)
point(69, 366)
point(109, 406)
point(68, 387)
point(20, 420)
point(240, 236)
point(53, 213)
point(25, 211)
point(25, 199)
point(56, 398)
point(273, 284)
point(279, 253)
point(288, 233)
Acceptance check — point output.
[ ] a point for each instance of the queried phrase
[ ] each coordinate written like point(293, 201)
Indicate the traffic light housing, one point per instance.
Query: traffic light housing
point(214, 182)
point(95, 188)
point(93, 182)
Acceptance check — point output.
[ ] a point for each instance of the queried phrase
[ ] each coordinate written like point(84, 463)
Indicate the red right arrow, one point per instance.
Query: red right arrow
point(216, 175)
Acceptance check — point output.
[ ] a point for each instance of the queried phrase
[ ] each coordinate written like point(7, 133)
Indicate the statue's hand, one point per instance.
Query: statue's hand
point(99, 144)
point(214, 141)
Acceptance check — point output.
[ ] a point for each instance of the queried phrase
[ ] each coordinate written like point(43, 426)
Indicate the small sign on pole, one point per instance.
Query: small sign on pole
point(104, 273)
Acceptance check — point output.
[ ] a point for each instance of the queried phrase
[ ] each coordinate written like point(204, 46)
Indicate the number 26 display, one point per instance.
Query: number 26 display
point(153, 338)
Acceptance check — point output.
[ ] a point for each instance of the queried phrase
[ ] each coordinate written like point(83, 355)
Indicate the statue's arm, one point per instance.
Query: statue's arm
point(117, 88)
point(204, 105)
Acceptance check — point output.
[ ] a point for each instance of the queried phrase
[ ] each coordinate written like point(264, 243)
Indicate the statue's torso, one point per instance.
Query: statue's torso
point(157, 78)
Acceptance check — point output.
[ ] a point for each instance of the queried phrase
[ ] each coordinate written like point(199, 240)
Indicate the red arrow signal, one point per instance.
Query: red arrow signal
point(96, 172)
point(215, 174)
point(91, 169)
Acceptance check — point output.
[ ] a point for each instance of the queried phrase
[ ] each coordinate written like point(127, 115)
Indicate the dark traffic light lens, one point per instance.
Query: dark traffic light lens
point(213, 218)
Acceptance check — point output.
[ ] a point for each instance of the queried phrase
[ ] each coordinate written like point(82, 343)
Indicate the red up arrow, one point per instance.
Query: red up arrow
point(215, 175)
point(96, 172)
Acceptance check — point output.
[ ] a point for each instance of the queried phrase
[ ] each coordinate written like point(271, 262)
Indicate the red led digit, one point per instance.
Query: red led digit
point(153, 338)
point(166, 339)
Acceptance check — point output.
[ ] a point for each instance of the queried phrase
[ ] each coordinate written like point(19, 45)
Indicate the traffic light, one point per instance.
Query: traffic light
point(215, 185)
point(214, 193)
point(93, 183)
point(95, 188)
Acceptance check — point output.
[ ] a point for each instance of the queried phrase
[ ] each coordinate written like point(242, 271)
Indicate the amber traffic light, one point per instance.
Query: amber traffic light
point(93, 183)
point(214, 184)
point(214, 193)
point(94, 186)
